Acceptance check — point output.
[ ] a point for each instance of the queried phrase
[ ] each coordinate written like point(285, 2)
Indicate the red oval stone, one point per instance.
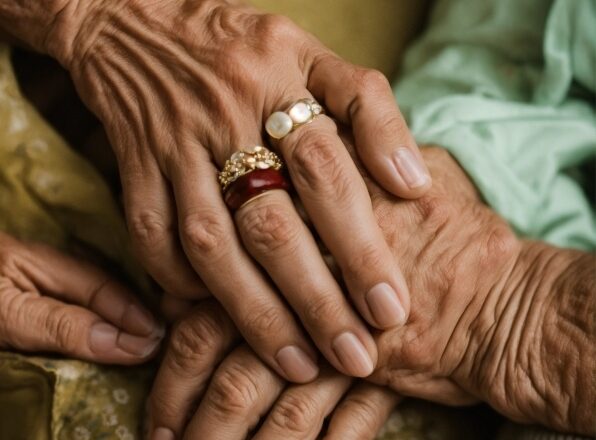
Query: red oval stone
point(252, 184)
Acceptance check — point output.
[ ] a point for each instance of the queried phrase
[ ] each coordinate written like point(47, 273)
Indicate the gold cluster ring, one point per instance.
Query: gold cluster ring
point(247, 160)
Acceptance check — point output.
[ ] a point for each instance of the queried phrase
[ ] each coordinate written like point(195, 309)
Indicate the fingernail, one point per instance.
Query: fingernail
point(139, 321)
point(137, 345)
point(385, 306)
point(102, 337)
point(410, 168)
point(162, 434)
point(352, 355)
point(297, 365)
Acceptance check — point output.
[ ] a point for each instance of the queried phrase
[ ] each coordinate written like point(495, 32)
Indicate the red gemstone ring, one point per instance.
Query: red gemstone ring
point(250, 186)
point(250, 173)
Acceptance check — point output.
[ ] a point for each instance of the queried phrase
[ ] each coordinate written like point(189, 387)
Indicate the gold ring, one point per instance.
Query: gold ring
point(247, 160)
point(300, 113)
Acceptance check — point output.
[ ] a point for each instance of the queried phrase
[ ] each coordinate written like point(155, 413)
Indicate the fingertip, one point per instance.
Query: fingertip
point(353, 355)
point(162, 433)
point(401, 172)
point(298, 366)
point(410, 169)
point(140, 321)
point(385, 307)
point(108, 343)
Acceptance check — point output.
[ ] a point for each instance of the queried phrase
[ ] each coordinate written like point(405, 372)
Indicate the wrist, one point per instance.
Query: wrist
point(524, 359)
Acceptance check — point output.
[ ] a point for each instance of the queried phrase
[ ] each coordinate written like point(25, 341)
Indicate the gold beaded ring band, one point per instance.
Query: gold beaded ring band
point(245, 161)
point(302, 112)
point(250, 173)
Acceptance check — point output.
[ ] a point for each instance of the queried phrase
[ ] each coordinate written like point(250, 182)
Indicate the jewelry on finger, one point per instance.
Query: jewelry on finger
point(246, 161)
point(253, 185)
point(300, 113)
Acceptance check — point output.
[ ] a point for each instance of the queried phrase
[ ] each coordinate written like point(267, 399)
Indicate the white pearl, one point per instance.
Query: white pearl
point(300, 113)
point(278, 125)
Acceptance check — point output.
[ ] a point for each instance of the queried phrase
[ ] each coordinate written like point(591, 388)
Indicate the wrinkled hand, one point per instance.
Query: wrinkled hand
point(203, 391)
point(179, 87)
point(489, 311)
point(50, 302)
point(477, 319)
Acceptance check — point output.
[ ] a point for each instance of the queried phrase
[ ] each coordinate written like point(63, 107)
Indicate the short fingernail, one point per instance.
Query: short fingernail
point(385, 306)
point(297, 365)
point(137, 345)
point(353, 355)
point(102, 337)
point(139, 321)
point(162, 434)
point(410, 168)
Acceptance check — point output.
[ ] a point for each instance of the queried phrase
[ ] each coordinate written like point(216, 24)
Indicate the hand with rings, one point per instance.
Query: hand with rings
point(181, 88)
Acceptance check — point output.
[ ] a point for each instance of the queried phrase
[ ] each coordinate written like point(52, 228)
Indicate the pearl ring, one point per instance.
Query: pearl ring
point(302, 112)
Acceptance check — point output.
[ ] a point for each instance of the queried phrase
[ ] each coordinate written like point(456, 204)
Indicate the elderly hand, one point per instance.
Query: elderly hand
point(494, 318)
point(50, 302)
point(193, 397)
point(490, 313)
point(180, 86)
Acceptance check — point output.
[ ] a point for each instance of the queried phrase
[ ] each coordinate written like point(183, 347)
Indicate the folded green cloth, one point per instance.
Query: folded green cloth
point(508, 87)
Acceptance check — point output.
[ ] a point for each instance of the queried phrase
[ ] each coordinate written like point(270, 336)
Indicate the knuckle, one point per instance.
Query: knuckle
point(204, 233)
point(371, 81)
point(269, 227)
point(12, 314)
point(436, 211)
point(317, 161)
point(500, 245)
point(148, 228)
point(297, 414)
point(368, 257)
point(320, 310)
point(390, 126)
point(194, 339)
point(261, 324)
point(233, 391)
point(163, 408)
point(363, 414)
point(416, 352)
point(276, 26)
point(60, 329)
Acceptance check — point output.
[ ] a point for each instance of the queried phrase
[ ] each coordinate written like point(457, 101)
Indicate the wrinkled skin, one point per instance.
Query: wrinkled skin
point(488, 313)
point(180, 86)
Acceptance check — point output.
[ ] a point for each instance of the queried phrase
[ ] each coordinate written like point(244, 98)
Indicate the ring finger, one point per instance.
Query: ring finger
point(277, 238)
point(211, 243)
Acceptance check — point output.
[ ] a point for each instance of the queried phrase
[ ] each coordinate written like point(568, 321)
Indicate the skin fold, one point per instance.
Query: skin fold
point(490, 314)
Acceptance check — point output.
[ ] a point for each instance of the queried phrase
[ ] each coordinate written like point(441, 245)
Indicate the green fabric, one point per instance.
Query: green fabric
point(508, 87)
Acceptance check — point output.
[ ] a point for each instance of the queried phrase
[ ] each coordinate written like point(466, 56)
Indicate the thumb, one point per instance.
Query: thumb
point(35, 323)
